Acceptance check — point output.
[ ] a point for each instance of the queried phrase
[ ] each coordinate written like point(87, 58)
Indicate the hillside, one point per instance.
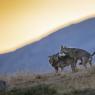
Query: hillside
point(34, 57)
point(80, 83)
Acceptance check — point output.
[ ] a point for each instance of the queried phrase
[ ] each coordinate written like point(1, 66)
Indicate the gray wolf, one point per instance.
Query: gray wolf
point(58, 61)
point(78, 54)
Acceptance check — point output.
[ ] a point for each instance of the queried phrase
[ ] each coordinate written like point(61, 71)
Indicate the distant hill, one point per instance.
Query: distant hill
point(34, 57)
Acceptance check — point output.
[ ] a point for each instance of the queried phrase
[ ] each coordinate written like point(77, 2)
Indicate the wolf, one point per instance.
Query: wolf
point(58, 61)
point(78, 54)
point(53, 60)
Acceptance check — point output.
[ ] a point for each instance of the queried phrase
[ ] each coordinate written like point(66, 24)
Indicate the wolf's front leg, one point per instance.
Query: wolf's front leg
point(56, 69)
point(73, 66)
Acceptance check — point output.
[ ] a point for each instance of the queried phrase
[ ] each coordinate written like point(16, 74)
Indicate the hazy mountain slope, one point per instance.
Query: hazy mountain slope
point(34, 57)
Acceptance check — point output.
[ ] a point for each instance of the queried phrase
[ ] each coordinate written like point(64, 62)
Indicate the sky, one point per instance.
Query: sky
point(26, 21)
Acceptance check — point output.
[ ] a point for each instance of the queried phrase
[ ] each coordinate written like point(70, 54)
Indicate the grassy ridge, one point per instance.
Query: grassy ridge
point(80, 83)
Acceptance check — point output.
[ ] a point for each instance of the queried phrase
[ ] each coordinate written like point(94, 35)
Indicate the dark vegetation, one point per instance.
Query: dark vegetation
point(46, 90)
point(40, 89)
point(79, 83)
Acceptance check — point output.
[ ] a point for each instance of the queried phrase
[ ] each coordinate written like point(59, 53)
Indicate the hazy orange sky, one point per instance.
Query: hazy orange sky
point(25, 21)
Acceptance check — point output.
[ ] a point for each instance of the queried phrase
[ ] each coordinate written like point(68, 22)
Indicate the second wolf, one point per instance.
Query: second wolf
point(78, 54)
point(58, 61)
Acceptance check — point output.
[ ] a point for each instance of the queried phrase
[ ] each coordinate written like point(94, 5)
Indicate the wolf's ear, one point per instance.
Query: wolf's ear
point(62, 47)
point(49, 56)
point(65, 47)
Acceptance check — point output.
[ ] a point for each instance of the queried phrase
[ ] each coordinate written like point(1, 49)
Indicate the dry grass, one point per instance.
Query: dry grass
point(65, 83)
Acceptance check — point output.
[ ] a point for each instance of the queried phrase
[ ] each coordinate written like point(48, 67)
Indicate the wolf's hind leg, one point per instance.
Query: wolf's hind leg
point(90, 62)
point(84, 62)
point(73, 67)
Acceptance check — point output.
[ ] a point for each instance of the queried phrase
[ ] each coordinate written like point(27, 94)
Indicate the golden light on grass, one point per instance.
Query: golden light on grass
point(25, 21)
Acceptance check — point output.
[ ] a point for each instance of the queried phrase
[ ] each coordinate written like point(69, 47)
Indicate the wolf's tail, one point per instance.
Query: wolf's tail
point(93, 53)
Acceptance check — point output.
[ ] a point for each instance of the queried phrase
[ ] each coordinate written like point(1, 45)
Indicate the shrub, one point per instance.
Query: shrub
point(41, 89)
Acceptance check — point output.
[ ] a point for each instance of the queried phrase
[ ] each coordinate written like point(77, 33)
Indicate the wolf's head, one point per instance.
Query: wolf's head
point(53, 59)
point(64, 50)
